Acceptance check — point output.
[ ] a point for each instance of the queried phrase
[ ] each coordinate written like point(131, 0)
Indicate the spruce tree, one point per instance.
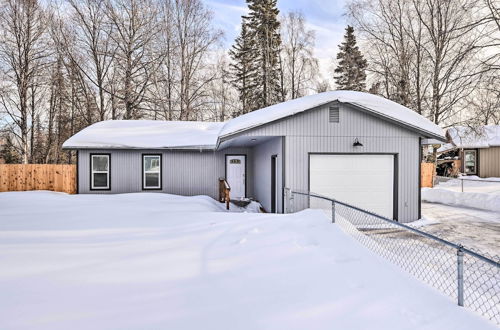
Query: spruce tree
point(243, 68)
point(350, 72)
point(264, 26)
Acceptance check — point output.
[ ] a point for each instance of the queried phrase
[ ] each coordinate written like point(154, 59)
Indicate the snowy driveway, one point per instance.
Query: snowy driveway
point(157, 261)
point(476, 229)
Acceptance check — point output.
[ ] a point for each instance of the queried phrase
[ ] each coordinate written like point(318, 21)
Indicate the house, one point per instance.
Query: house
point(477, 149)
point(356, 147)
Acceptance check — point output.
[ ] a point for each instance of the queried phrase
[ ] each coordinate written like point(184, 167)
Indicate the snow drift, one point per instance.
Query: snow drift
point(156, 261)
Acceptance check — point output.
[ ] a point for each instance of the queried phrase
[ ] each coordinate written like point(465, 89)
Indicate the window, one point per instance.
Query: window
point(99, 167)
point(151, 176)
point(470, 161)
point(334, 115)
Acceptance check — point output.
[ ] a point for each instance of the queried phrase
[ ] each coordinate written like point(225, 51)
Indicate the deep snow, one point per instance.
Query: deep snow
point(205, 135)
point(478, 193)
point(373, 103)
point(146, 134)
point(156, 261)
point(465, 137)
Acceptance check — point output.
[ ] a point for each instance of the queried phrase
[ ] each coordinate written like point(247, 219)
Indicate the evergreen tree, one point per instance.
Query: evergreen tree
point(263, 27)
point(243, 68)
point(8, 153)
point(350, 72)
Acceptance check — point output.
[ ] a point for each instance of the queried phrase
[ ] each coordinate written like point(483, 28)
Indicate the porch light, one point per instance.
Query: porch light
point(357, 143)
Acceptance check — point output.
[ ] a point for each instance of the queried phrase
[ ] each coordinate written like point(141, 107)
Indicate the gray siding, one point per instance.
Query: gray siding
point(262, 169)
point(183, 172)
point(311, 132)
point(489, 162)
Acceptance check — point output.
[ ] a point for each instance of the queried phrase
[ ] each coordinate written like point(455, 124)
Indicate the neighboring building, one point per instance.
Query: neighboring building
point(477, 149)
point(356, 147)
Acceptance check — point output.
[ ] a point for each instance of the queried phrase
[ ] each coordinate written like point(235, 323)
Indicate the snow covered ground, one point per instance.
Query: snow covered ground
point(479, 194)
point(157, 261)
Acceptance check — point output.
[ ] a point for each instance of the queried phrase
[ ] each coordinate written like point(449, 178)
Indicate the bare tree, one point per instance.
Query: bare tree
point(90, 34)
point(426, 53)
point(134, 26)
point(196, 39)
point(299, 64)
point(23, 55)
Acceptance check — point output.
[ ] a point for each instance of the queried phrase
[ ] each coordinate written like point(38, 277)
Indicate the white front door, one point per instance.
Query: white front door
point(362, 180)
point(235, 175)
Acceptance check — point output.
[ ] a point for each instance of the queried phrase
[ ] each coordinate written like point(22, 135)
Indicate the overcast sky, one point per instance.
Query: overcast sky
point(326, 17)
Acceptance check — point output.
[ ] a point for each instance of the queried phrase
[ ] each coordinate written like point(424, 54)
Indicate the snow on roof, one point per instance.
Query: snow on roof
point(145, 134)
point(467, 137)
point(370, 102)
point(152, 134)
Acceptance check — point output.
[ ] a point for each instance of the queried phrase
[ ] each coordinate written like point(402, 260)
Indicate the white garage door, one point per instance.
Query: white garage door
point(365, 181)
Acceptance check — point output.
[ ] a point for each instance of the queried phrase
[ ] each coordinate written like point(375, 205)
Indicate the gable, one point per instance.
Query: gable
point(352, 121)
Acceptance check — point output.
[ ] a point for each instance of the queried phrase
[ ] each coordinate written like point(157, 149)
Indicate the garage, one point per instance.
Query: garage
point(363, 180)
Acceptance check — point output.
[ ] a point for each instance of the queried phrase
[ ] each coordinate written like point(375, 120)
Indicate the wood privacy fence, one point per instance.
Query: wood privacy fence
point(23, 177)
point(427, 173)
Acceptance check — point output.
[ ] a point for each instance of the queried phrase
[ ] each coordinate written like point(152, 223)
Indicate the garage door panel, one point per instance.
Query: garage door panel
point(363, 180)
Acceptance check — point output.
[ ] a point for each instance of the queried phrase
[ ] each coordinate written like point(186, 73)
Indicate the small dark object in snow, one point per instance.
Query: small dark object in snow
point(242, 202)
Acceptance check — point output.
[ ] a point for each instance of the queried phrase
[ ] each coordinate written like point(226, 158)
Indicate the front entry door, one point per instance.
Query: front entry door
point(235, 175)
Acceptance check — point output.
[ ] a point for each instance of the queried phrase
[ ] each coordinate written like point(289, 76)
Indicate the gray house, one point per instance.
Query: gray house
point(356, 147)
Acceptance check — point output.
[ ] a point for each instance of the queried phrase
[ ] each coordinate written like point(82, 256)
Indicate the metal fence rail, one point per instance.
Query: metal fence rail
point(470, 278)
point(464, 180)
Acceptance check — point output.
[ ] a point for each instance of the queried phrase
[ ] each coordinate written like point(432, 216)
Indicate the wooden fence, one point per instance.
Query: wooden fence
point(23, 177)
point(427, 172)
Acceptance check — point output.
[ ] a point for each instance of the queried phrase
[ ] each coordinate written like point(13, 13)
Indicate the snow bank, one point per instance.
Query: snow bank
point(141, 261)
point(478, 200)
point(146, 134)
point(370, 102)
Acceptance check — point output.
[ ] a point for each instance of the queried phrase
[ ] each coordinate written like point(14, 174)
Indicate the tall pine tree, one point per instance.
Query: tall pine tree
point(350, 73)
point(243, 68)
point(256, 56)
point(264, 29)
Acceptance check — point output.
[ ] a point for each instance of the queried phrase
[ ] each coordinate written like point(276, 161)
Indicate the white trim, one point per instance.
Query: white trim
point(144, 172)
point(475, 161)
point(92, 172)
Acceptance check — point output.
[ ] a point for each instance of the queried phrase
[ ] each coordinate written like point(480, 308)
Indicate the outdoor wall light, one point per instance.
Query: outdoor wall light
point(357, 143)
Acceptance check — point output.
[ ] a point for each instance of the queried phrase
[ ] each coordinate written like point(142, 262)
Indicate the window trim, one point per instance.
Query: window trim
point(143, 172)
point(475, 161)
point(108, 187)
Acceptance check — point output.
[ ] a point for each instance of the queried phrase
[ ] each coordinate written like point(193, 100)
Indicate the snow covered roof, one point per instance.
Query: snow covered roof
point(467, 137)
point(373, 103)
point(147, 134)
point(151, 134)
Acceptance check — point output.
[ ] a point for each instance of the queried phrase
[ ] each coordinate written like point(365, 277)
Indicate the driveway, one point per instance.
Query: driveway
point(476, 229)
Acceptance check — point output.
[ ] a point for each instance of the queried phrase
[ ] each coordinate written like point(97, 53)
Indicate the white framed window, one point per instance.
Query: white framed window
point(470, 161)
point(99, 171)
point(151, 171)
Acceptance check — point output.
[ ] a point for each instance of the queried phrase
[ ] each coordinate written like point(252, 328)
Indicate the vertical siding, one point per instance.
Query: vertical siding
point(262, 168)
point(311, 132)
point(183, 172)
point(489, 162)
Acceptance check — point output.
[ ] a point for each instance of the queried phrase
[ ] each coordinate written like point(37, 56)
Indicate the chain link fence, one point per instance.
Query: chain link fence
point(468, 184)
point(468, 277)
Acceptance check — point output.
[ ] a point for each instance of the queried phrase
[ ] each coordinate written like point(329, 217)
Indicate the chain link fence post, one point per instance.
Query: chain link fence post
point(333, 212)
point(460, 276)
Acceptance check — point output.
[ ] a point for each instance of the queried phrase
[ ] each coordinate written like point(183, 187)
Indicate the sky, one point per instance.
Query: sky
point(325, 17)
